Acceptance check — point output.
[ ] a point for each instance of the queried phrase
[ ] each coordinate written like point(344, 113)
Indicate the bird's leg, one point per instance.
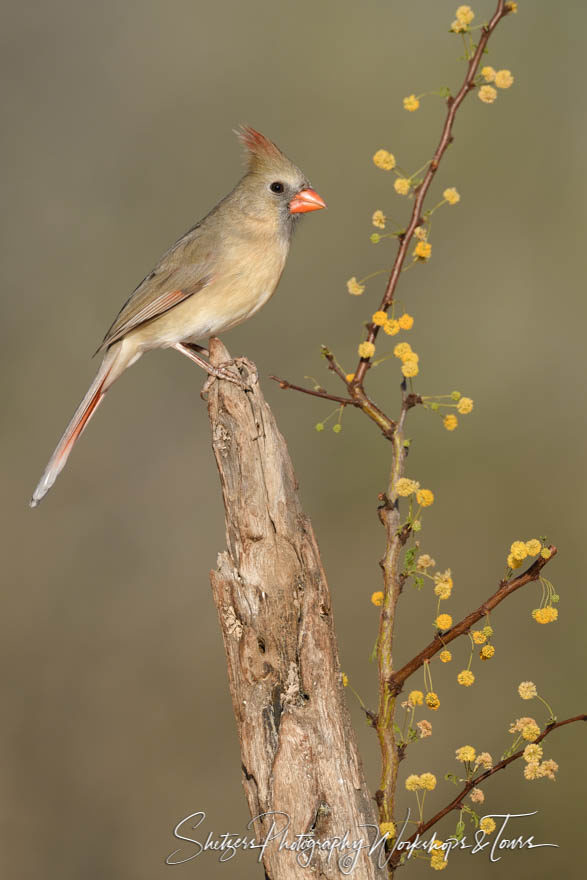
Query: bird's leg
point(218, 372)
point(195, 347)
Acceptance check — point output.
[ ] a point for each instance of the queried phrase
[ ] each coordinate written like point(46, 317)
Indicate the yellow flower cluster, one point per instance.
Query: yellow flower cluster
point(466, 678)
point(534, 770)
point(377, 598)
point(466, 754)
point(484, 760)
point(426, 781)
point(465, 406)
point(405, 321)
point(464, 17)
point(445, 656)
point(355, 287)
point(416, 698)
point(520, 550)
point(487, 825)
point(477, 796)
point(548, 614)
point(424, 728)
point(379, 318)
point(487, 94)
point(423, 250)
point(443, 621)
point(533, 752)
point(406, 487)
point(443, 584)
point(425, 497)
point(402, 185)
point(366, 350)
point(527, 727)
point(438, 859)
point(487, 652)
point(387, 828)
point(478, 636)
point(409, 359)
point(384, 159)
point(503, 79)
point(512, 6)
point(451, 196)
point(527, 690)
point(432, 701)
point(424, 561)
point(391, 327)
point(450, 422)
point(344, 679)
point(411, 103)
point(378, 219)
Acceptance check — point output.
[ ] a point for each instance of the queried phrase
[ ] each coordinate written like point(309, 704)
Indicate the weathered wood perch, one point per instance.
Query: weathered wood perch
point(299, 751)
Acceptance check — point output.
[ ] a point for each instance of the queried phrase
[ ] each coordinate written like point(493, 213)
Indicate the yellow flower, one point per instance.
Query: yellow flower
point(503, 79)
point(402, 349)
point(424, 561)
point(424, 728)
point(548, 614)
point(466, 753)
point(465, 15)
point(443, 621)
point(465, 406)
point(411, 103)
point(379, 318)
point(519, 724)
point(457, 27)
point(519, 550)
point(477, 796)
point(425, 497)
point(349, 377)
point(345, 679)
point(512, 562)
point(546, 552)
point(487, 825)
point(410, 356)
point(402, 186)
point(451, 195)
point(488, 73)
point(385, 160)
point(355, 287)
point(405, 487)
point(391, 327)
point(366, 349)
point(416, 698)
point(450, 422)
point(438, 861)
point(443, 584)
point(387, 828)
point(533, 752)
point(532, 770)
point(484, 760)
point(378, 219)
point(478, 637)
point(432, 701)
point(530, 731)
point(413, 782)
point(549, 768)
point(410, 369)
point(487, 652)
point(428, 781)
point(488, 631)
point(445, 656)
point(420, 233)
point(466, 678)
point(527, 690)
point(533, 547)
point(377, 598)
point(487, 94)
point(423, 250)
point(405, 321)
point(512, 6)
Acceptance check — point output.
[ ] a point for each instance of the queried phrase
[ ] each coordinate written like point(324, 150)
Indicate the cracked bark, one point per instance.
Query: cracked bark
point(298, 749)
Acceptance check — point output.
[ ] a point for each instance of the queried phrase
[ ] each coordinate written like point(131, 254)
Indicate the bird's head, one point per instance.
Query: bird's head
point(277, 187)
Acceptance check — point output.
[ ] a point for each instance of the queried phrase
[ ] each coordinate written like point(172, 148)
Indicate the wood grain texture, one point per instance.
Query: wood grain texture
point(299, 751)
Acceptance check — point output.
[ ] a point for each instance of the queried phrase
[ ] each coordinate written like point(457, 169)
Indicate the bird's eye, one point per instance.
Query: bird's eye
point(277, 187)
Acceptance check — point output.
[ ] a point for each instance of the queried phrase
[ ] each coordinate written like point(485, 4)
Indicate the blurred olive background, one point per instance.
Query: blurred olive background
point(116, 137)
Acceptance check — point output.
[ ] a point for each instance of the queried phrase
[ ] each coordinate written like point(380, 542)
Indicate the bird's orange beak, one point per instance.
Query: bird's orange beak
point(306, 200)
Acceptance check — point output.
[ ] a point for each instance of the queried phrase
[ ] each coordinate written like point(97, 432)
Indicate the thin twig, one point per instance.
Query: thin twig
point(344, 401)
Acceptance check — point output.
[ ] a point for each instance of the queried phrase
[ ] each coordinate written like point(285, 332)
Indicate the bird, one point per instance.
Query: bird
point(217, 275)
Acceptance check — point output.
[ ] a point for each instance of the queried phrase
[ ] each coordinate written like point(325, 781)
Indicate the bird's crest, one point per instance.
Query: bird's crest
point(260, 151)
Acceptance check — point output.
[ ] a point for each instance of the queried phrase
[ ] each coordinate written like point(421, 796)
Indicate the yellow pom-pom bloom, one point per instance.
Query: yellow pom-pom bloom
point(425, 497)
point(484, 760)
point(349, 377)
point(424, 561)
point(377, 598)
point(428, 781)
point(384, 160)
point(411, 103)
point(387, 828)
point(546, 552)
point(354, 287)
point(450, 422)
point(423, 250)
point(451, 195)
point(465, 15)
point(416, 698)
point(345, 679)
point(410, 369)
point(443, 621)
point(487, 825)
point(465, 406)
point(533, 547)
point(503, 79)
point(405, 321)
point(466, 678)
point(527, 690)
point(402, 186)
point(533, 752)
point(487, 94)
point(366, 349)
point(465, 754)
point(402, 349)
point(512, 6)
point(488, 73)
point(413, 782)
point(530, 731)
point(391, 327)
point(379, 318)
point(479, 637)
point(424, 728)
point(432, 700)
point(477, 796)
point(445, 656)
point(378, 219)
point(548, 614)
point(512, 562)
point(420, 233)
point(519, 550)
point(487, 652)
point(405, 487)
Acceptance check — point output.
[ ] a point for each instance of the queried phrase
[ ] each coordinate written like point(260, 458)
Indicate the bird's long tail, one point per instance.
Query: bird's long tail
point(110, 369)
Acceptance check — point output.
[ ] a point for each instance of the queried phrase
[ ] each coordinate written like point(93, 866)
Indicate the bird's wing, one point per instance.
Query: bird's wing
point(182, 272)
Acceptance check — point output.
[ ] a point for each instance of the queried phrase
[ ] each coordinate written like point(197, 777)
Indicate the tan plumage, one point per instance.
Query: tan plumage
point(214, 277)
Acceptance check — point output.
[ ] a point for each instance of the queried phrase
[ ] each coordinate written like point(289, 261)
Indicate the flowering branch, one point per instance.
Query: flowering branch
point(505, 589)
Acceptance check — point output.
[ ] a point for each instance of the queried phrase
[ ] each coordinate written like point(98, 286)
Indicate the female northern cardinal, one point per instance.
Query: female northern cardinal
point(217, 275)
